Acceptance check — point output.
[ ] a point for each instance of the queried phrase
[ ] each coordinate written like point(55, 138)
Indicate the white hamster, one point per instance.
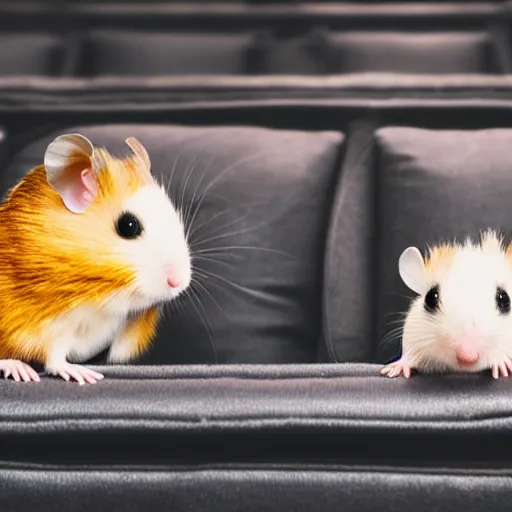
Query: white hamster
point(461, 321)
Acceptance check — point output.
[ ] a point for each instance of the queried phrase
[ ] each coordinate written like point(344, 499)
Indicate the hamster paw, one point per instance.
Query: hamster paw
point(397, 368)
point(79, 373)
point(503, 368)
point(18, 370)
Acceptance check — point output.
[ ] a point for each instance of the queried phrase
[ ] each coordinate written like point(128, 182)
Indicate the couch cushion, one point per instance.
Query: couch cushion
point(300, 437)
point(295, 55)
point(348, 332)
point(258, 236)
point(230, 489)
point(434, 185)
point(29, 54)
point(306, 413)
point(451, 52)
point(147, 53)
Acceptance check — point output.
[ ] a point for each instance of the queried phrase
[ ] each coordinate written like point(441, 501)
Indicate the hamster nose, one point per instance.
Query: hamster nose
point(466, 356)
point(172, 276)
point(173, 281)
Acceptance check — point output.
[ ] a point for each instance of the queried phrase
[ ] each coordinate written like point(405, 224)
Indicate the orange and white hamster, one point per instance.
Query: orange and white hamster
point(90, 248)
point(461, 321)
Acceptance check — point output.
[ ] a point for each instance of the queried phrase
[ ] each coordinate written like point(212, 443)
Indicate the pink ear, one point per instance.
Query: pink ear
point(69, 170)
point(78, 194)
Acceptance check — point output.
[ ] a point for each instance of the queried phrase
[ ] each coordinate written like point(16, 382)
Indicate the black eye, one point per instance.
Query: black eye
point(432, 299)
point(502, 301)
point(128, 226)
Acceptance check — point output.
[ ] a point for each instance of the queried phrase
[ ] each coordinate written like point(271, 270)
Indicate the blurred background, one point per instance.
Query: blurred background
point(233, 41)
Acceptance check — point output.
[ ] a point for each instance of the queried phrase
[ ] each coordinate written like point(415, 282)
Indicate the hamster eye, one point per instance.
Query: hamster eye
point(128, 226)
point(502, 301)
point(432, 299)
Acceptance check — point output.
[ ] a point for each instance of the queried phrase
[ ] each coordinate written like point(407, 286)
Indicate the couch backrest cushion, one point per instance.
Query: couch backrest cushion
point(258, 237)
point(152, 53)
point(412, 186)
point(348, 331)
point(29, 53)
point(434, 185)
point(402, 52)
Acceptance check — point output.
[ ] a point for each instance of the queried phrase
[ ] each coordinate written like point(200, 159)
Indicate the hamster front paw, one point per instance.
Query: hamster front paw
point(18, 370)
point(74, 371)
point(397, 368)
point(502, 368)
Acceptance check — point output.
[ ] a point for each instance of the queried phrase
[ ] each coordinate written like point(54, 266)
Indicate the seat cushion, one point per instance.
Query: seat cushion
point(257, 202)
point(299, 437)
point(230, 489)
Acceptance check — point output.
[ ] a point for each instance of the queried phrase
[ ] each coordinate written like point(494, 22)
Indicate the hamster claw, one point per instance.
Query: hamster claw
point(397, 368)
point(76, 372)
point(18, 370)
point(502, 369)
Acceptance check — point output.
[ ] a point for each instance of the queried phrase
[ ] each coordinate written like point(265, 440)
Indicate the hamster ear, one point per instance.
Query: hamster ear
point(142, 157)
point(69, 171)
point(411, 267)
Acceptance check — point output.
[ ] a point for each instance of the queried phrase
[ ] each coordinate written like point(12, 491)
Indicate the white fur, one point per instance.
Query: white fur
point(468, 312)
point(161, 245)
point(81, 334)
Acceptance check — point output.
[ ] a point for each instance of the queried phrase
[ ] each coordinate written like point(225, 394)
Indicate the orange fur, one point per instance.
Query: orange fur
point(46, 269)
point(439, 259)
point(141, 330)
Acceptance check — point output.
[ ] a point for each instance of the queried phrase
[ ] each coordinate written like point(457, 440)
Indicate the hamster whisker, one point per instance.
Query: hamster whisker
point(210, 219)
point(194, 297)
point(190, 221)
point(198, 283)
point(389, 341)
point(391, 336)
point(227, 225)
point(393, 323)
point(174, 306)
point(213, 260)
point(244, 247)
point(218, 237)
point(240, 218)
point(182, 145)
point(230, 210)
point(172, 171)
point(225, 254)
point(400, 314)
point(401, 295)
point(207, 274)
point(232, 167)
point(188, 173)
point(395, 329)
point(225, 171)
point(207, 221)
